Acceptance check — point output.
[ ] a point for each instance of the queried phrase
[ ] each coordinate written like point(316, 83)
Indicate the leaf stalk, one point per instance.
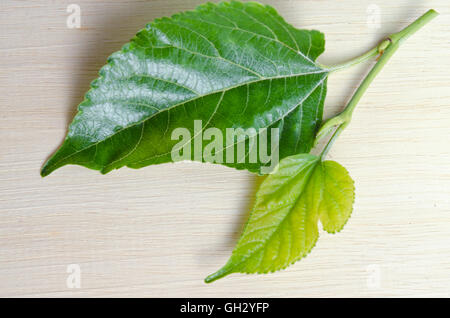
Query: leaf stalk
point(360, 59)
point(386, 48)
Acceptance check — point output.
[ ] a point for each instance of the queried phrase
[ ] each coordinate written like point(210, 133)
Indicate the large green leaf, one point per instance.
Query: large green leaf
point(230, 65)
point(283, 225)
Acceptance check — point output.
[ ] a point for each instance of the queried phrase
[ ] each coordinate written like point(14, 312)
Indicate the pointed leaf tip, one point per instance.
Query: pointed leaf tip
point(49, 166)
point(45, 171)
point(217, 275)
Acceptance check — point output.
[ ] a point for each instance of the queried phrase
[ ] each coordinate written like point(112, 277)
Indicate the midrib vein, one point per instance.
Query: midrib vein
point(182, 103)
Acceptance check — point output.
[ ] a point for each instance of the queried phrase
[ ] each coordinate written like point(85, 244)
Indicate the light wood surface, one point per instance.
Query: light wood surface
point(160, 230)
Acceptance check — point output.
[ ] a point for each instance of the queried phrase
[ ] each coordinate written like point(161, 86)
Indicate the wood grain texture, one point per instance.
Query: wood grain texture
point(160, 230)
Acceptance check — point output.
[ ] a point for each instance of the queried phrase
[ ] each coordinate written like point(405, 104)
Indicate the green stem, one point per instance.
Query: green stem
point(331, 141)
point(355, 61)
point(348, 111)
point(387, 48)
point(396, 39)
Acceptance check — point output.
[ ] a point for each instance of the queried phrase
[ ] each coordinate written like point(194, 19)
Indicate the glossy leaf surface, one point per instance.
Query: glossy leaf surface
point(230, 65)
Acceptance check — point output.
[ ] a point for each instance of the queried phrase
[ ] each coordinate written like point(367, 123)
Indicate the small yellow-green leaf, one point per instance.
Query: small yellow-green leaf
point(283, 226)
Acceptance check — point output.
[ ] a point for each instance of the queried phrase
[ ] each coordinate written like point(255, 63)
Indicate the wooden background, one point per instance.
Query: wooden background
point(160, 230)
